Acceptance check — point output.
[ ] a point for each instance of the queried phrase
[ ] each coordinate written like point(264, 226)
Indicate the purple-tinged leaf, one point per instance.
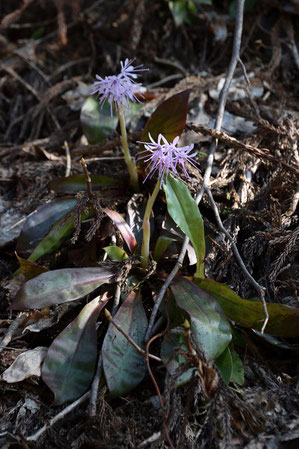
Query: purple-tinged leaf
point(123, 228)
point(283, 320)
point(77, 183)
point(60, 286)
point(39, 223)
point(124, 367)
point(169, 118)
point(70, 363)
point(210, 328)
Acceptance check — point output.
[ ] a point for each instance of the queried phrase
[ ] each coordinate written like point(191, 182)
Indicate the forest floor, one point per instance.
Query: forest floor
point(46, 70)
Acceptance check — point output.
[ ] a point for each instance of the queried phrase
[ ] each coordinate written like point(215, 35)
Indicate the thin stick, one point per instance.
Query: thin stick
point(95, 387)
point(89, 190)
point(88, 179)
point(132, 342)
point(147, 356)
point(262, 153)
point(68, 159)
point(260, 290)
point(218, 124)
point(58, 417)
point(97, 378)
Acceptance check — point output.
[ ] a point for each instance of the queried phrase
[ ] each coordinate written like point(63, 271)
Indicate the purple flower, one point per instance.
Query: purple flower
point(165, 157)
point(119, 89)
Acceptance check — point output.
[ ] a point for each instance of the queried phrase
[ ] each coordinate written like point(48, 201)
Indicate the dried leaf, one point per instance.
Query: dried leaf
point(26, 365)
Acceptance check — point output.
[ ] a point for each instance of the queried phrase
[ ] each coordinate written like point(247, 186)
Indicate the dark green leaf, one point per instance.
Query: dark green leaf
point(225, 365)
point(59, 286)
point(97, 122)
point(69, 366)
point(124, 367)
point(210, 329)
point(77, 183)
point(161, 246)
point(39, 223)
point(184, 211)
point(169, 118)
point(171, 349)
point(238, 368)
point(283, 320)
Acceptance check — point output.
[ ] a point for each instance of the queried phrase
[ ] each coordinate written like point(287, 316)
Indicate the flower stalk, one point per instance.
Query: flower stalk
point(129, 161)
point(146, 226)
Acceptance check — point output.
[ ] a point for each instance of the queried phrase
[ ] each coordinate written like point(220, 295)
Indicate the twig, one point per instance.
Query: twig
point(89, 189)
point(95, 387)
point(92, 408)
point(262, 153)
point(154, 437)
point(108, 146)
point(260, 290)
point(88, 181)
point(116, 299)
point(147, 356)
point(58, 417)
point(68, 159)
point(12, 330)
point(224, 93)
point(132, 342)
point(210, 160)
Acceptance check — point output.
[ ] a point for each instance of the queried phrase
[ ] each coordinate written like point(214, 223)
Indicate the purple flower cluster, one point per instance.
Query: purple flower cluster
point(165, 157)
point(119, 89)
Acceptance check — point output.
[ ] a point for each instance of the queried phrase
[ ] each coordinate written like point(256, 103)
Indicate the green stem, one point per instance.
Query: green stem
point(129, 161)
point(146, 226)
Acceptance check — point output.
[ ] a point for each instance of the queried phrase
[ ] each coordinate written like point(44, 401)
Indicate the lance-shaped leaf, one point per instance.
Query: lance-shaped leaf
point(70, 363)
point(210, 328)
point(169, 118)
point(230, 366)
point(77, 183)
point(184, 211)
point(224, 364)
point(39, 223)
point(123, 228)
point(283, 320)
point(124, 367)
point(59, 286)
point(57, 235)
